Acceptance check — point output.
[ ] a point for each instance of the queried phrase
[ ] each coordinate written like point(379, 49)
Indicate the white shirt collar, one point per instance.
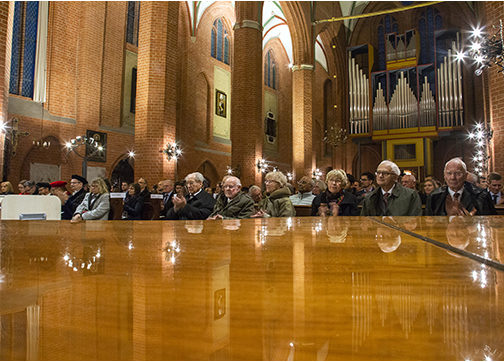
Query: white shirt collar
point(461, 191)
point(389, 191)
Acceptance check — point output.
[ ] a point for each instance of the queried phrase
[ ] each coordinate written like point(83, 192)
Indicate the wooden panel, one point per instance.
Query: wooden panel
point(306, 288)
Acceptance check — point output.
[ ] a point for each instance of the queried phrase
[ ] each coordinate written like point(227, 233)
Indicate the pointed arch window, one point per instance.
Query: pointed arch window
point(387, 25)
point(270, 77)
point(219, 43)
point(430, 20)
point(24, 48)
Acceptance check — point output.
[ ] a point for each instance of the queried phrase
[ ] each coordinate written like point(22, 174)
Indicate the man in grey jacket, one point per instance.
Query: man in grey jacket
point(232, 203)
point(391, 198)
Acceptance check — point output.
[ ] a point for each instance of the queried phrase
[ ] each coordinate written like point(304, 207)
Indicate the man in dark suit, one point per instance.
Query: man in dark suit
point(197, 205)
point(495, 188)
point(167, 189)
point(78, 192)
point(458, 197)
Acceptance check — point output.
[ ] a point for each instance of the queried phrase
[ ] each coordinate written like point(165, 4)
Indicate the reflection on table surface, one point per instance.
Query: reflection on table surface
point(291, 288)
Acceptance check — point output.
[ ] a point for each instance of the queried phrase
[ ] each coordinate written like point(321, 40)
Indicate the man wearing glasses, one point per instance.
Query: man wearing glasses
point(366, 179)
point(391, 198)
point(304, 195)
point(232, 203)
point(458, 197)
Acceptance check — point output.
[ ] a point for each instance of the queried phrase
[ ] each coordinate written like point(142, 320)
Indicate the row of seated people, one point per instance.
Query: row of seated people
point(389, 198)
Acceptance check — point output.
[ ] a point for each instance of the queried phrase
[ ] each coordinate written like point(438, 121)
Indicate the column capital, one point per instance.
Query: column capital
point(303, 67)
point(248, 24)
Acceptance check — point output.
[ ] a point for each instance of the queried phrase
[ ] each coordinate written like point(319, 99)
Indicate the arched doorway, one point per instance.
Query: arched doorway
point(123, 172)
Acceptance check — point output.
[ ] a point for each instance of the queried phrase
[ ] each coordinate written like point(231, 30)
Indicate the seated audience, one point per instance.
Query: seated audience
point(277, 202)
point(197, 205)
point(495, 188)
point(168, 193)
point(78, 193)
point(255, 193)
point(144, 189)
point(336, 200)
point(391, 198)
point(366, 179)
point(133, 203)
point(44, 188)
point(218, 190)
point(318, 187)
point(180, 188)
point(58, 188)
point(6, 188)
point(427, 187)
point(357, 186)
point(232, 203)
point(30, 188)
point(96, 203)
point(459, 197)
point(304, 195)
point(409, 181)
point(21, 187)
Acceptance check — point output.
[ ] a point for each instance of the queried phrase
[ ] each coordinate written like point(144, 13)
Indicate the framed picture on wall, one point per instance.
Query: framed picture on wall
point(220, 103)
point(92, 153)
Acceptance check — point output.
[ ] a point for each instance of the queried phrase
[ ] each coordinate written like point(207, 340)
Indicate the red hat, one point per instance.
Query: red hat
point(58, 184)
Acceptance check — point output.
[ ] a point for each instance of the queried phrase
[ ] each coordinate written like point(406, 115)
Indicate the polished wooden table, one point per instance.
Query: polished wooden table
point(305, 288)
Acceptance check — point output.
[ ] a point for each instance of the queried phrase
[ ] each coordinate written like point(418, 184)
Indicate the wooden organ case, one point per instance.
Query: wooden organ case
point(406, 104)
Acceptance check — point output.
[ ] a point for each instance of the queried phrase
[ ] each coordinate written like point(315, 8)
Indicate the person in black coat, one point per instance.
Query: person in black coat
point(133, 203)
point(336, 201)
point(458, 197)
point(197, 205)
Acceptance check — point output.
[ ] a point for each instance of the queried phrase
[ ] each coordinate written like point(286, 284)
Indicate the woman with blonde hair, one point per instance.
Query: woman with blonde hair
point(96, 203)
point(277, 202)
point(336, 200)
point(6, 188)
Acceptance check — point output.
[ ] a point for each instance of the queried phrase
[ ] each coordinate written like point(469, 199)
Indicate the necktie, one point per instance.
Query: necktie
point(385, 199)
point(494, 199)
point(456, 196)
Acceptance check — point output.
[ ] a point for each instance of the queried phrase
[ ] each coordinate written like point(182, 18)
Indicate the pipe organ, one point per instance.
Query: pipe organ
point(407, 97)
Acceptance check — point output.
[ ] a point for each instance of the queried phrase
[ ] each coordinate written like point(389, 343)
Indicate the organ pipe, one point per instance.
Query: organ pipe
point(358, 98)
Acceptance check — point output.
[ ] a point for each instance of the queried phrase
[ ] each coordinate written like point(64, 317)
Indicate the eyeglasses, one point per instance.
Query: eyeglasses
point(383, 173)
point(75, 182)
point(189, 183)
point(302, 182)
point(269, 181)
point(364, 179)
point(456, 174)
point(228, 186)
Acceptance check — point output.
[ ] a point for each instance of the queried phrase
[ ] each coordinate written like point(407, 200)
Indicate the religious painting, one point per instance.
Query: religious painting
point(220, 103)
point(98, 153)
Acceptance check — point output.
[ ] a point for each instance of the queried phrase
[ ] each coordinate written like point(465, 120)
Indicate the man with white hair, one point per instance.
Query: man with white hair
point(196, 205)
point(232, 203)
point(391, 198)
point(458, 197)
point(409, 181)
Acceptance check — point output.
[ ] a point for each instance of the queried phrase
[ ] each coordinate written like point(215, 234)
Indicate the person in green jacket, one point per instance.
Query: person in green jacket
point(391, 198)
point(277, 202)
point(232, 203)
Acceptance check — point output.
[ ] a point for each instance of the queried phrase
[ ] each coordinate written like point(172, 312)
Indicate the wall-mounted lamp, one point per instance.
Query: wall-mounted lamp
point(317, 174)
point(262, 165)
point(172, 150)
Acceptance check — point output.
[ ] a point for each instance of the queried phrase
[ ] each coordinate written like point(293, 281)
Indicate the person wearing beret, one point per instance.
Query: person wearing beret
point(58, 188)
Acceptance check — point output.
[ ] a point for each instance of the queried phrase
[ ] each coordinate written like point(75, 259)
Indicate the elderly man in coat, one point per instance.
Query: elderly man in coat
point(458, 197)
point(232, 203)
point(391, 198)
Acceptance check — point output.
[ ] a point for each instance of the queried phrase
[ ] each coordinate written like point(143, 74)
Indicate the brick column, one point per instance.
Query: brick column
point(303, 157)
point(155, 116)
point(246, 104)
point(6, 20)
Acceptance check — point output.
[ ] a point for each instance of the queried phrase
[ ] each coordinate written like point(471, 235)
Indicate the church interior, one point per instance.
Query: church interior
point(158, 90)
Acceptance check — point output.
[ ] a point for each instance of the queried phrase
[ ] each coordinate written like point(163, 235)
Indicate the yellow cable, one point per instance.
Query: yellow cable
point(368, 15)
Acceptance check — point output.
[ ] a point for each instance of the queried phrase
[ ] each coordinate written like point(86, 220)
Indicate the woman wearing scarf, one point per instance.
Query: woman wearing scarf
point(133, 203)
point(96, 203)
point(335, 201)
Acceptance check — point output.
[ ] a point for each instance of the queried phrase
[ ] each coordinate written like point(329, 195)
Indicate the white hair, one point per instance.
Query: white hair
point(234, 178)
point(393, 166)
point(197, 176)
point(456, 160)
